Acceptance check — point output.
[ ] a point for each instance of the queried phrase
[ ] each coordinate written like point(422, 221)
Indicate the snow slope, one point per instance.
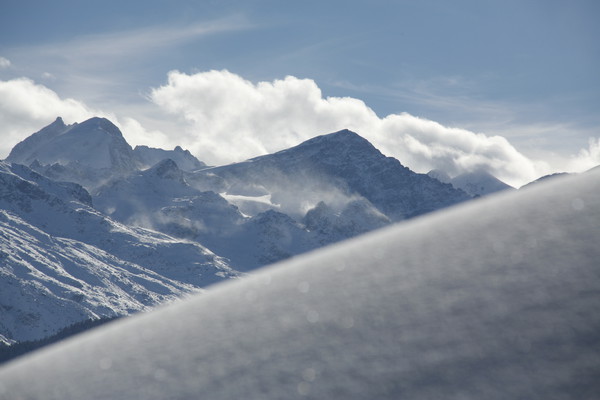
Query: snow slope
point(56, 248)
point(59, 212)
point(495, 299)
point(48, 283)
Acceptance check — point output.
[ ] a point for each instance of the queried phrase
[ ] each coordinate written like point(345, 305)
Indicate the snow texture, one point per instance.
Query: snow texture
point(493, 299)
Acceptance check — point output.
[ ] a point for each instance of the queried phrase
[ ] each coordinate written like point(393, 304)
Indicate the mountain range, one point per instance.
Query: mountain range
point(493, 299)
point(92, 227)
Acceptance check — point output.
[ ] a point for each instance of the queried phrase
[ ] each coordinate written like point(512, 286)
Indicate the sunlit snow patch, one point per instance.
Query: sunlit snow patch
point(251, 205)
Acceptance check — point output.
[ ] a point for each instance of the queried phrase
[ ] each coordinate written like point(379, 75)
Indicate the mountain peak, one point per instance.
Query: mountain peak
point(98, 123)
point(166, 169)
point(479, 183)
point(58, 122)
point(343, 136)
point(332, 148)
point(95, 143)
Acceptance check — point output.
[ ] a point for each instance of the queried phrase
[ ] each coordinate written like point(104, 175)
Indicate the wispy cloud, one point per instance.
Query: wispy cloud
point(4, 62)
point(26, 107)
point(455, 101)
point(452, 94)
point(114, 45)
point(100, 67)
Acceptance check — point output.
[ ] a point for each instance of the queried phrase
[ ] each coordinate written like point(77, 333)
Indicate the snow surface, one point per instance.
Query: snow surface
point(251, 205)
point(494, 299)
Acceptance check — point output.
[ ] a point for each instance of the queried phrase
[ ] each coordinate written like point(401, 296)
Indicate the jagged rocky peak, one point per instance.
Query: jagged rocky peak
point(95, 143)
point(101, 124)
point(58, 122)
point(166, 169)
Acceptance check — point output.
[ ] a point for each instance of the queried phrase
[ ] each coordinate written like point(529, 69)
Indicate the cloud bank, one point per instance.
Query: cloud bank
point(587, 158)
point(228, 118)
point(26, 107)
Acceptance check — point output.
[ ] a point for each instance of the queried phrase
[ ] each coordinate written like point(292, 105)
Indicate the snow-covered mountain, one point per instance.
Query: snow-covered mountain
point(160, 198)
point(87, 153)
point(476, 183)
point(276, 206)
point(48, 283)
point(61, 256)
point(148, 224)
point(336, 169)
point(479, 183)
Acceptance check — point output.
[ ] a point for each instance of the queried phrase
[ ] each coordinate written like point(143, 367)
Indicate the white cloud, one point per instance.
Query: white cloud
point(114, 50)
point(228, 118)
point(4, 62)
point(26, 107)
point(48, 76)
point(587, 158)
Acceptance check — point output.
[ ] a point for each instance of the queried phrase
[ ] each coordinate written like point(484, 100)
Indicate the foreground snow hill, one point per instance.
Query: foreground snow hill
point(62, 261)
point(494, 299)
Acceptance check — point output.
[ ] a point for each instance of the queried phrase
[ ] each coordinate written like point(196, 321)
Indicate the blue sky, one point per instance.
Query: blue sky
point(526, 71)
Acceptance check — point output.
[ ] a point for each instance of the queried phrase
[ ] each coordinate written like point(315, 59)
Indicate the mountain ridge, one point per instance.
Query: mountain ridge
point(181, 227)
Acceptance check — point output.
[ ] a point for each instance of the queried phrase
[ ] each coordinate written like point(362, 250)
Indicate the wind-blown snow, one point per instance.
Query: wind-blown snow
point(494, 299)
